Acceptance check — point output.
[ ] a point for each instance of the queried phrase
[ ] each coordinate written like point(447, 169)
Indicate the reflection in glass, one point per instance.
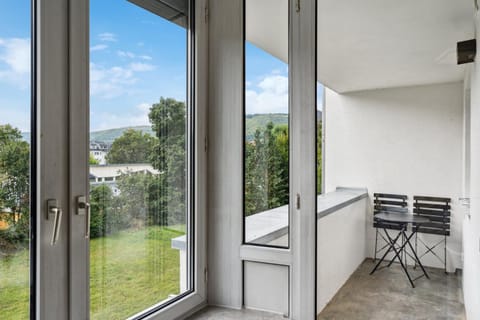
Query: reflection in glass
point(320, 101)
point(139, 249)
point(15, 97)
point(266, 162)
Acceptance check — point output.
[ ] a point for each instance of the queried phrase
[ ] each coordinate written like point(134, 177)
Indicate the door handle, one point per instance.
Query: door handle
point(84, 209)
point(56, 212)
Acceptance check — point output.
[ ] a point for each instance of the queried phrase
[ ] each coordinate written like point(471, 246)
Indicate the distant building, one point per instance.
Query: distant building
point(99, 150)
point(108, 174)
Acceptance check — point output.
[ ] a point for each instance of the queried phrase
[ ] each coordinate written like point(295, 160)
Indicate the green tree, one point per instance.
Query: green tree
point(319, 157)
point(133, 198)
point(106, 212)
point(266, 169)
point(92, 160)
point(14, 179)
point(167, 193)
point(132, 146)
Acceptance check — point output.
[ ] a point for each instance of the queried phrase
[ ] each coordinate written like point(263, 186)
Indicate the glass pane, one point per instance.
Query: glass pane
point(14, 158)
point(320, 101)
point(139, 252)
point(266, 160)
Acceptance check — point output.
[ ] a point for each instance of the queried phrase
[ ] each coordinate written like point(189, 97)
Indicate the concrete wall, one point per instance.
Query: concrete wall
point(471, 236)
point(339, 256)
point(402, 140)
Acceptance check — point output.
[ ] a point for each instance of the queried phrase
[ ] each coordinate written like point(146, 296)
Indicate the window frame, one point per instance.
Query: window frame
point(244, 130)
point(197, 59)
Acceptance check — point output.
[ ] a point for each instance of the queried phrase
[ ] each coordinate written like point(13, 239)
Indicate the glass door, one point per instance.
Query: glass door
point(136, 213)
point(139, 156)
point(33, 160)
point(15, 153)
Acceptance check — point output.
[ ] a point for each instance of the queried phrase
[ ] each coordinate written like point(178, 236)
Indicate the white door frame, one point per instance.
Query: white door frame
point(79, 151)
point(300, 257)
point(303, 71)
point(51, 102)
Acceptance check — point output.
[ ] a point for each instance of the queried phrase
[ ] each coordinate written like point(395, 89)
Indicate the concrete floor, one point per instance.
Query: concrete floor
point(387, 294)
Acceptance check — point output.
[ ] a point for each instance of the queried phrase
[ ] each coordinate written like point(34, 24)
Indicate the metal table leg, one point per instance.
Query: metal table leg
point(392, 245)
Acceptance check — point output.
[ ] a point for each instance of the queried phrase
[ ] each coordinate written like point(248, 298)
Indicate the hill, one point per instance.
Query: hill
point(109, 135)
point(255, 121)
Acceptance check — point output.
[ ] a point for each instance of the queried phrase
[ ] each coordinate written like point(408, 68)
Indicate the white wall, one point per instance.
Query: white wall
point(402, 140)
point(266, 287)
point(339, 256)
point(471, 237)
point(225, 158)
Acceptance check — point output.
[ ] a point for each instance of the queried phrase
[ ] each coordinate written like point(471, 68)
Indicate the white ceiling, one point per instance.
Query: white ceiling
point(371, 44)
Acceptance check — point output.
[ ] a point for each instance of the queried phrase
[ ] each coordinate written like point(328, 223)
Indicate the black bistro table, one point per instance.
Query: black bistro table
point(404, 220)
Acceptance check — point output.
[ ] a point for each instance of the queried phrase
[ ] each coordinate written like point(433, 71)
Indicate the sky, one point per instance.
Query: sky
point(136, 57)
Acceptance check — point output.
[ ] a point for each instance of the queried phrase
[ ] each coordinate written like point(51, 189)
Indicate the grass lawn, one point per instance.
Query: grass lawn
point(129, 271)
point(14, 286)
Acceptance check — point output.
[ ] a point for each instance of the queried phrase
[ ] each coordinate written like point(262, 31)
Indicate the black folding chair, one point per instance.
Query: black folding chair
point(438, 211)
point(390, 203)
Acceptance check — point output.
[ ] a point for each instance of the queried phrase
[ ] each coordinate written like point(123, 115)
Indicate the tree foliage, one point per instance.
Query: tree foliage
point(107, 215)
point(146, 198)
point(168, 192)
point(92, 160)
point(14, 181)
point(267, 167)
point(133, 146)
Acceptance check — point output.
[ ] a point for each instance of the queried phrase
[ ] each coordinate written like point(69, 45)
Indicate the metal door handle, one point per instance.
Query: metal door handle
point(53, 209)
point(84, 209)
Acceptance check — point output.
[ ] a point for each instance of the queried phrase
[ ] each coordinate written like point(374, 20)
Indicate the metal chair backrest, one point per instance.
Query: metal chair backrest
point(391, 203)
point(437, 210)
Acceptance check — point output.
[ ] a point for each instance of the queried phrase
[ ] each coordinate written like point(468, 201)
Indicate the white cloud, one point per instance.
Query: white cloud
point(131, 55)
point(140, 67)
point(115, 81)
point(107, 36)
point(126, 54)
point(270, 95)
point(98, 47)
point(15, 55)
point(137, 116)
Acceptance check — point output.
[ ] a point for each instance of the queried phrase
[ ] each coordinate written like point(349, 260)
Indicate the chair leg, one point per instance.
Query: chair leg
point(376, 241)
point(445, 255)
point(416, 248)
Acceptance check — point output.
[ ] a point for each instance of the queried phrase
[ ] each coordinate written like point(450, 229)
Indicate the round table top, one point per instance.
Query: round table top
point(401, 217)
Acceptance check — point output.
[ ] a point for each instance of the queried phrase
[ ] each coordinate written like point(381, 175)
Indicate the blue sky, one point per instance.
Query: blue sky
point(15, 63)
point(135, 58)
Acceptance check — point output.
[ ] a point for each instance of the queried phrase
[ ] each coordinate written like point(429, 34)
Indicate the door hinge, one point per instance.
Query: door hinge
point(297, 6)
point(297, 202)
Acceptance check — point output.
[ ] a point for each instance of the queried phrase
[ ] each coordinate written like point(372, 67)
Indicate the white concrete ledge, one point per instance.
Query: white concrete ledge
point(338, 199)
point(264, 227)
